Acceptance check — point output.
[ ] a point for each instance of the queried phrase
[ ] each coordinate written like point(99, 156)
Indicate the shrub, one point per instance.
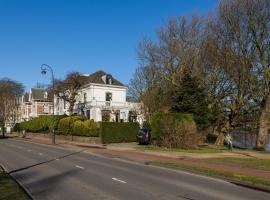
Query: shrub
point(113, 132)
point(65, 124)
point(146, 124)
point(174, 130)
point(158, 118)
point(85, 128)
point(40, 124)
point(211, 137)
point(17, 127)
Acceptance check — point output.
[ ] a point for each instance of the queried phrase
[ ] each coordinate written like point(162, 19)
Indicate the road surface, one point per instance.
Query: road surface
point(51, 172)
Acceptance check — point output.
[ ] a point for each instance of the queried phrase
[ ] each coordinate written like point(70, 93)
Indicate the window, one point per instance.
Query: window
point(45, 95)
point(46, 109)
point(109, 79)
point(108, 96)
point(88, 114)
point(84, 97)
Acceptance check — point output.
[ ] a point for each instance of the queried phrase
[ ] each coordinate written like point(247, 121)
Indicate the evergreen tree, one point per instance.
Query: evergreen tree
point(191, 97)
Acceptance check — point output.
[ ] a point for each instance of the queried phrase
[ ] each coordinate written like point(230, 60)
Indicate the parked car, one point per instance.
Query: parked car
point(144, 136)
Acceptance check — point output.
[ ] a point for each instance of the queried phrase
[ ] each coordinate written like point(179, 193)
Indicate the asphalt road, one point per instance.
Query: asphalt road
point(49, 172)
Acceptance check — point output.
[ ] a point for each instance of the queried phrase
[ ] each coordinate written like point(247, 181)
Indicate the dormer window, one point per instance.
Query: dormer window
point(45, 95)
point(109, 79)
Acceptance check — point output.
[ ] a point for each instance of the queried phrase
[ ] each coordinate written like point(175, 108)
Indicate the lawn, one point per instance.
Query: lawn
point(9, 190)
point(254, 163)
point(197, 150)
point(214, 173)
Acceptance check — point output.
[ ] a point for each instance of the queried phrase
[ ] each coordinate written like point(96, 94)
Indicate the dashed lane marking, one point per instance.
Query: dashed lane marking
point(80, 167)
point(118, 180)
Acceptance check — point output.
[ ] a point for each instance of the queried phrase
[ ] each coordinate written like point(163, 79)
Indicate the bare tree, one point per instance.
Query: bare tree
point(162, 63)
point(68, 88)
point(229, 52)
point(10, 92)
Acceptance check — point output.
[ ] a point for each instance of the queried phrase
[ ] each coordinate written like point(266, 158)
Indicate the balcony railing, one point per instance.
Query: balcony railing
point(109, 104)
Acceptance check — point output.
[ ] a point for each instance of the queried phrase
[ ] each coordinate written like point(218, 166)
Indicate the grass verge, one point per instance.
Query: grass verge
point(9, 190)
point(197, 150)
point(214, 173)
point(254, 163)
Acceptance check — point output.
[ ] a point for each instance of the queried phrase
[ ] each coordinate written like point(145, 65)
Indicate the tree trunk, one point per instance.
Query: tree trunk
point(222, 134)
point(264, 124)
point(71, 108)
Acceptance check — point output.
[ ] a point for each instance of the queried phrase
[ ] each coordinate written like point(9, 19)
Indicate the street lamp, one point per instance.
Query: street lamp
point(44, 69)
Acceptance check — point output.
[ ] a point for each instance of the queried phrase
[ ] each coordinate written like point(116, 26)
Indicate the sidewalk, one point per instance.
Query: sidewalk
point(128, 152)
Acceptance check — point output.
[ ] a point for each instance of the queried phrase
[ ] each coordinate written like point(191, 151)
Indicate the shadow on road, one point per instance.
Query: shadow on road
point(45, 162)
point(41, 185)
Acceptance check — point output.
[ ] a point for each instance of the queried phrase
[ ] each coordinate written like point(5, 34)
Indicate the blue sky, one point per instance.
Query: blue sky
point(82, 36)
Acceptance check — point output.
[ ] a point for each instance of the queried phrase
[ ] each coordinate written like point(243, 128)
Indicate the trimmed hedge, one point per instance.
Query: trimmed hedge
point(113, 132)
point(40, 124)
point(158, 118)
point(65, 125)
point(86, 128)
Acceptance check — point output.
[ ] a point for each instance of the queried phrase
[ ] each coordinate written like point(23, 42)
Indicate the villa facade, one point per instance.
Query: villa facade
point(103, 98)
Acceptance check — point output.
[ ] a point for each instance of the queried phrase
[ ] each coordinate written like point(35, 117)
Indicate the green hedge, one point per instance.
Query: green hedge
point(113, 132)
point(211, 137)
point(65, 125)
point(86, 128)
point(157, 118)
point(40, 124)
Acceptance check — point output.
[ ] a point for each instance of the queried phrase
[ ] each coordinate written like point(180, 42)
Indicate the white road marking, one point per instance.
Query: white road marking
point(20, 147)
point(40, 154)
point(80, 167)
point(29, 150)
point(115, 179)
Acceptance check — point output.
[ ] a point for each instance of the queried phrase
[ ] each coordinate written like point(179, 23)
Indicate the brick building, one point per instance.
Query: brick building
point(35, 103)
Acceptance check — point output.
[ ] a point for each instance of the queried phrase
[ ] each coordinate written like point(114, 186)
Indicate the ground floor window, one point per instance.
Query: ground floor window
point(88, 114)
point(132, 116)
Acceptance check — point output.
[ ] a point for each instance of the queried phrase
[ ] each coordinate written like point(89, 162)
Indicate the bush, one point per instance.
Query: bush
point(158, 118)
point(146, 124)
point(113, 132)
point(211, 137)
point(85, 128)
point(17, 127)
point(174, 130)
point(65, 124)
point(40, 124)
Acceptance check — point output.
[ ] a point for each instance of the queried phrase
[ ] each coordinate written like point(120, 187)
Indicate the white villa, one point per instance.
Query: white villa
point(103, 98)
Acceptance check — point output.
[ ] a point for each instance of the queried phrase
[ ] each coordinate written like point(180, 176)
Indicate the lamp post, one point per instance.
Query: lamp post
point(44, 69)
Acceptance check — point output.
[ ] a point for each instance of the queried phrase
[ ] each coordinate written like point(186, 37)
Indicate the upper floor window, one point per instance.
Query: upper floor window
point(108, 96)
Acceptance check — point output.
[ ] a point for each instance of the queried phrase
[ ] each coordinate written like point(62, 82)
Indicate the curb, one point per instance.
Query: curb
point(24, 189)
point(253, 186)
point(262, 188)
point(66, 143)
